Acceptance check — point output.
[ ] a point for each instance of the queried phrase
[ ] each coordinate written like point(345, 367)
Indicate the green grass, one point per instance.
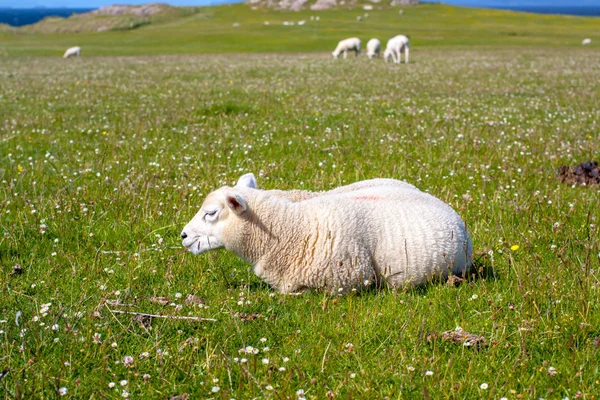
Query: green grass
point(211, 30)
point(103, 160)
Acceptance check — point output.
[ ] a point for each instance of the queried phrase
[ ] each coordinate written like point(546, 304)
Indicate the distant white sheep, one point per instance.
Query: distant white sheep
point(586, 41)
point(396, 46)
point(373, 48)
point(72, 52)
point(369, 232)
point(346, 45)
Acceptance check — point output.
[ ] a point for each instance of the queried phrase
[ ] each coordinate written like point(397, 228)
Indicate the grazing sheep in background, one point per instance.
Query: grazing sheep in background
point(72, 52)
point(395, 46)
point(373, 48)
point(586, 41)
point(346, 45)
point(370, 231)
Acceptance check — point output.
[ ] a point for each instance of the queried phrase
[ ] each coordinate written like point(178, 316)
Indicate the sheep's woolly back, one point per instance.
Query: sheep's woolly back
point(72, 51)
point(369, 231)
point(350, 44)
point(373, 47)
point(298, 195)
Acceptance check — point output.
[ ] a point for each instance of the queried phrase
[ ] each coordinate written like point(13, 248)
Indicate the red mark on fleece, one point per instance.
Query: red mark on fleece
point(367, 198)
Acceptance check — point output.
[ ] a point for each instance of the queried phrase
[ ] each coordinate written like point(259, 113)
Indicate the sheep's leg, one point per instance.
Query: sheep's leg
point(345, 54)
point(406, 55)
point(396, 56)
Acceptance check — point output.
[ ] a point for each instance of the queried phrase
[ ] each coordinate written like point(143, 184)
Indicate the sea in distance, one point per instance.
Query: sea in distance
point(584, 11)
point(26, 16)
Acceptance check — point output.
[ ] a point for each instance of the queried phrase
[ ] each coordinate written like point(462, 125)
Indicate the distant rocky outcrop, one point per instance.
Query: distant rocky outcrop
point(291, 5)
point(404, 2)
point(323, 5)
point(144, 10)
point(296, 5)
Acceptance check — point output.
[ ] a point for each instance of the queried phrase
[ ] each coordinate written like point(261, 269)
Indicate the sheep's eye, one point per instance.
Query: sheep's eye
point(210, 214)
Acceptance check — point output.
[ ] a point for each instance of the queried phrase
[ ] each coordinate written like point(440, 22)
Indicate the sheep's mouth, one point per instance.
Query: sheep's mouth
point(195, 247)
point(189, 246)
point(202, 244)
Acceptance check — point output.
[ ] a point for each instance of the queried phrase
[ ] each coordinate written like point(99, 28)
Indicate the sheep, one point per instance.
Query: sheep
point(72, 52)
point(586, 41)
point(370, 231)
point(373, 48)
point(395, 46)
point(346, 45)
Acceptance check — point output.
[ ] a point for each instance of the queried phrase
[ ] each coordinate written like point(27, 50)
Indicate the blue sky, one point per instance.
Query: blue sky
point(98, 3)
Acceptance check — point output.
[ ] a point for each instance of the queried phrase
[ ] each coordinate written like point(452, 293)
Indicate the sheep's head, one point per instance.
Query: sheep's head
point(387, 55)
point(335, 54)
point(214, 222)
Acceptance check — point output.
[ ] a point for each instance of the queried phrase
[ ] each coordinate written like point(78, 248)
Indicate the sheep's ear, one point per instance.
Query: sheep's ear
point(236, 203)
point(247, 180)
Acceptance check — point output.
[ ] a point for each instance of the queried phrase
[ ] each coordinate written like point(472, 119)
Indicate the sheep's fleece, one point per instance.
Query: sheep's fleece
point(344, 239)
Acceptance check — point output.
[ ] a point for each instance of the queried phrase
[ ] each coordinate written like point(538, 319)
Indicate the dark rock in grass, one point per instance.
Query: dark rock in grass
point(248, 317)
point(17, 270)
point(586, 173)
point(458, 336)
point(191, 299)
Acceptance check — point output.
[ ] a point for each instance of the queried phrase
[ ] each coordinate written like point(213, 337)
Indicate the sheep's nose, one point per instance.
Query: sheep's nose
point(183, 235)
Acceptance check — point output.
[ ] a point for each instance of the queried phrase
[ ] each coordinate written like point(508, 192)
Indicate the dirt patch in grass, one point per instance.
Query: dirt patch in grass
point(586, 173)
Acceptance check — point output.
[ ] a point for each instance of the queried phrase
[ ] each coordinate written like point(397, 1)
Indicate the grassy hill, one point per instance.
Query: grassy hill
point(110, 18)
point(238, 28)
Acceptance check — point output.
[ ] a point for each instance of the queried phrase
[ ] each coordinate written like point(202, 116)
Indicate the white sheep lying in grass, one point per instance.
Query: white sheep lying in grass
point(346, 45)
point(396, 46)
point(72, 52)
point(370, 231)
point(586, 41)
point(373, 48)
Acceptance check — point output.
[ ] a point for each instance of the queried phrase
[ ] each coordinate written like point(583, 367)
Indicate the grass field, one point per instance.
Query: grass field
point(102, 167)
point(211, 30)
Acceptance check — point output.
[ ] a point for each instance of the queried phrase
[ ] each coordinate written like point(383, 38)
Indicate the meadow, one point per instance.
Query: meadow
point(100, 169)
